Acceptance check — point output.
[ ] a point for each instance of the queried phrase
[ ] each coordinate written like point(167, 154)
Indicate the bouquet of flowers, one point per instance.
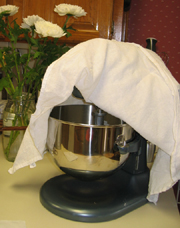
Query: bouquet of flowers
point(43, 48)
point(36, 32)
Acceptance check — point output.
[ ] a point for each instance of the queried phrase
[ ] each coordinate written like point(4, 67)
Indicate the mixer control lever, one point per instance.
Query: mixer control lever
point(123, 147)
point(120, 141)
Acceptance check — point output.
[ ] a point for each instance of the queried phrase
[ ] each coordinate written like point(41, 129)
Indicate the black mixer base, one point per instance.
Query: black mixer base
point(95, 201)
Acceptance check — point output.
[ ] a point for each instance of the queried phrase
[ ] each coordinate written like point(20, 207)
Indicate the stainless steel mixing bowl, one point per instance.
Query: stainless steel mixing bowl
point(85, 141)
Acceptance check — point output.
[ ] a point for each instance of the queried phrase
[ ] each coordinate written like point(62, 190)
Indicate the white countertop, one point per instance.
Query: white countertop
point(19, 200)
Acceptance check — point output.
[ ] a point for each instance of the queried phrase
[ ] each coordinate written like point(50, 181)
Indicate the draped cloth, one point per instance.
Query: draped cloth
point(125, 80)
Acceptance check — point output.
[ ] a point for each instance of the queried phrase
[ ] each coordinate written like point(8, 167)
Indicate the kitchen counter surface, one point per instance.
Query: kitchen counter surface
point(19, 200)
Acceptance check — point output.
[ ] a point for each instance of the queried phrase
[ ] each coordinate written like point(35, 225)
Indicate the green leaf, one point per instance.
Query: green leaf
point(37, 54)
point(34, 41)
point(5, 13)
point(65, 49)
point(23, 59)
point(71, 28)
point(3, 83)
point(68, 34)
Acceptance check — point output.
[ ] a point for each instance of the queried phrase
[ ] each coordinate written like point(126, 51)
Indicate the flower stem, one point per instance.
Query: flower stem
point(67, 19)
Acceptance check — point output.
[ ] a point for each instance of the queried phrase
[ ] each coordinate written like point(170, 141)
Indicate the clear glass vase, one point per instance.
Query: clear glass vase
point(16, 117)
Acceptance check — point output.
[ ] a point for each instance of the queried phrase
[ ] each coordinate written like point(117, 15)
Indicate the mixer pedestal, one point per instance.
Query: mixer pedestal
point(95, 201)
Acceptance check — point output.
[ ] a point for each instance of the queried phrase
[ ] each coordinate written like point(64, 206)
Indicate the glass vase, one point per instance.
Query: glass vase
point(16, 117)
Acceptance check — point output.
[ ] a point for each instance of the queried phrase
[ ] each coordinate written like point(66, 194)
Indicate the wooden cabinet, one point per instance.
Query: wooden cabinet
point(2, 2)
point(104, 17)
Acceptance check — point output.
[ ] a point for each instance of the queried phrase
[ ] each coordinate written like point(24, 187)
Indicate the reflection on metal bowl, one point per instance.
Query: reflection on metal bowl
point(85, 139)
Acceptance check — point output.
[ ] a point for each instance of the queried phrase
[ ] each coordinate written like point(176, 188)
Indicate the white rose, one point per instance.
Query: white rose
point(30, 21)
point(64, 9)
point(10, 8)
point(46, 28)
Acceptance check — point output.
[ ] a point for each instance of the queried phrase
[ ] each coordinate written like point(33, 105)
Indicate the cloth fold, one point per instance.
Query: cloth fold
point(125, 80)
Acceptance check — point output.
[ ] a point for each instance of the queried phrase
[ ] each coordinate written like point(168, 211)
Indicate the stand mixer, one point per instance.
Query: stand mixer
point(104, 161)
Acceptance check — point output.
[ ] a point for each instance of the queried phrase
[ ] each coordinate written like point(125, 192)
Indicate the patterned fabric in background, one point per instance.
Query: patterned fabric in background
point(160, 20)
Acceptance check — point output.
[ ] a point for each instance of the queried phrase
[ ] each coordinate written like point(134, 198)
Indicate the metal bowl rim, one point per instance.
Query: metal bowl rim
point(91, 125)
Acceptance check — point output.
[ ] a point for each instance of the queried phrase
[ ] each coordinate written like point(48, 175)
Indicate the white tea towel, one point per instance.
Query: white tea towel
point(124, 79)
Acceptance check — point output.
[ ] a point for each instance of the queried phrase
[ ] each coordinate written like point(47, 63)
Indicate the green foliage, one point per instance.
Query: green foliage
point(3, 83)
point(42, 52)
